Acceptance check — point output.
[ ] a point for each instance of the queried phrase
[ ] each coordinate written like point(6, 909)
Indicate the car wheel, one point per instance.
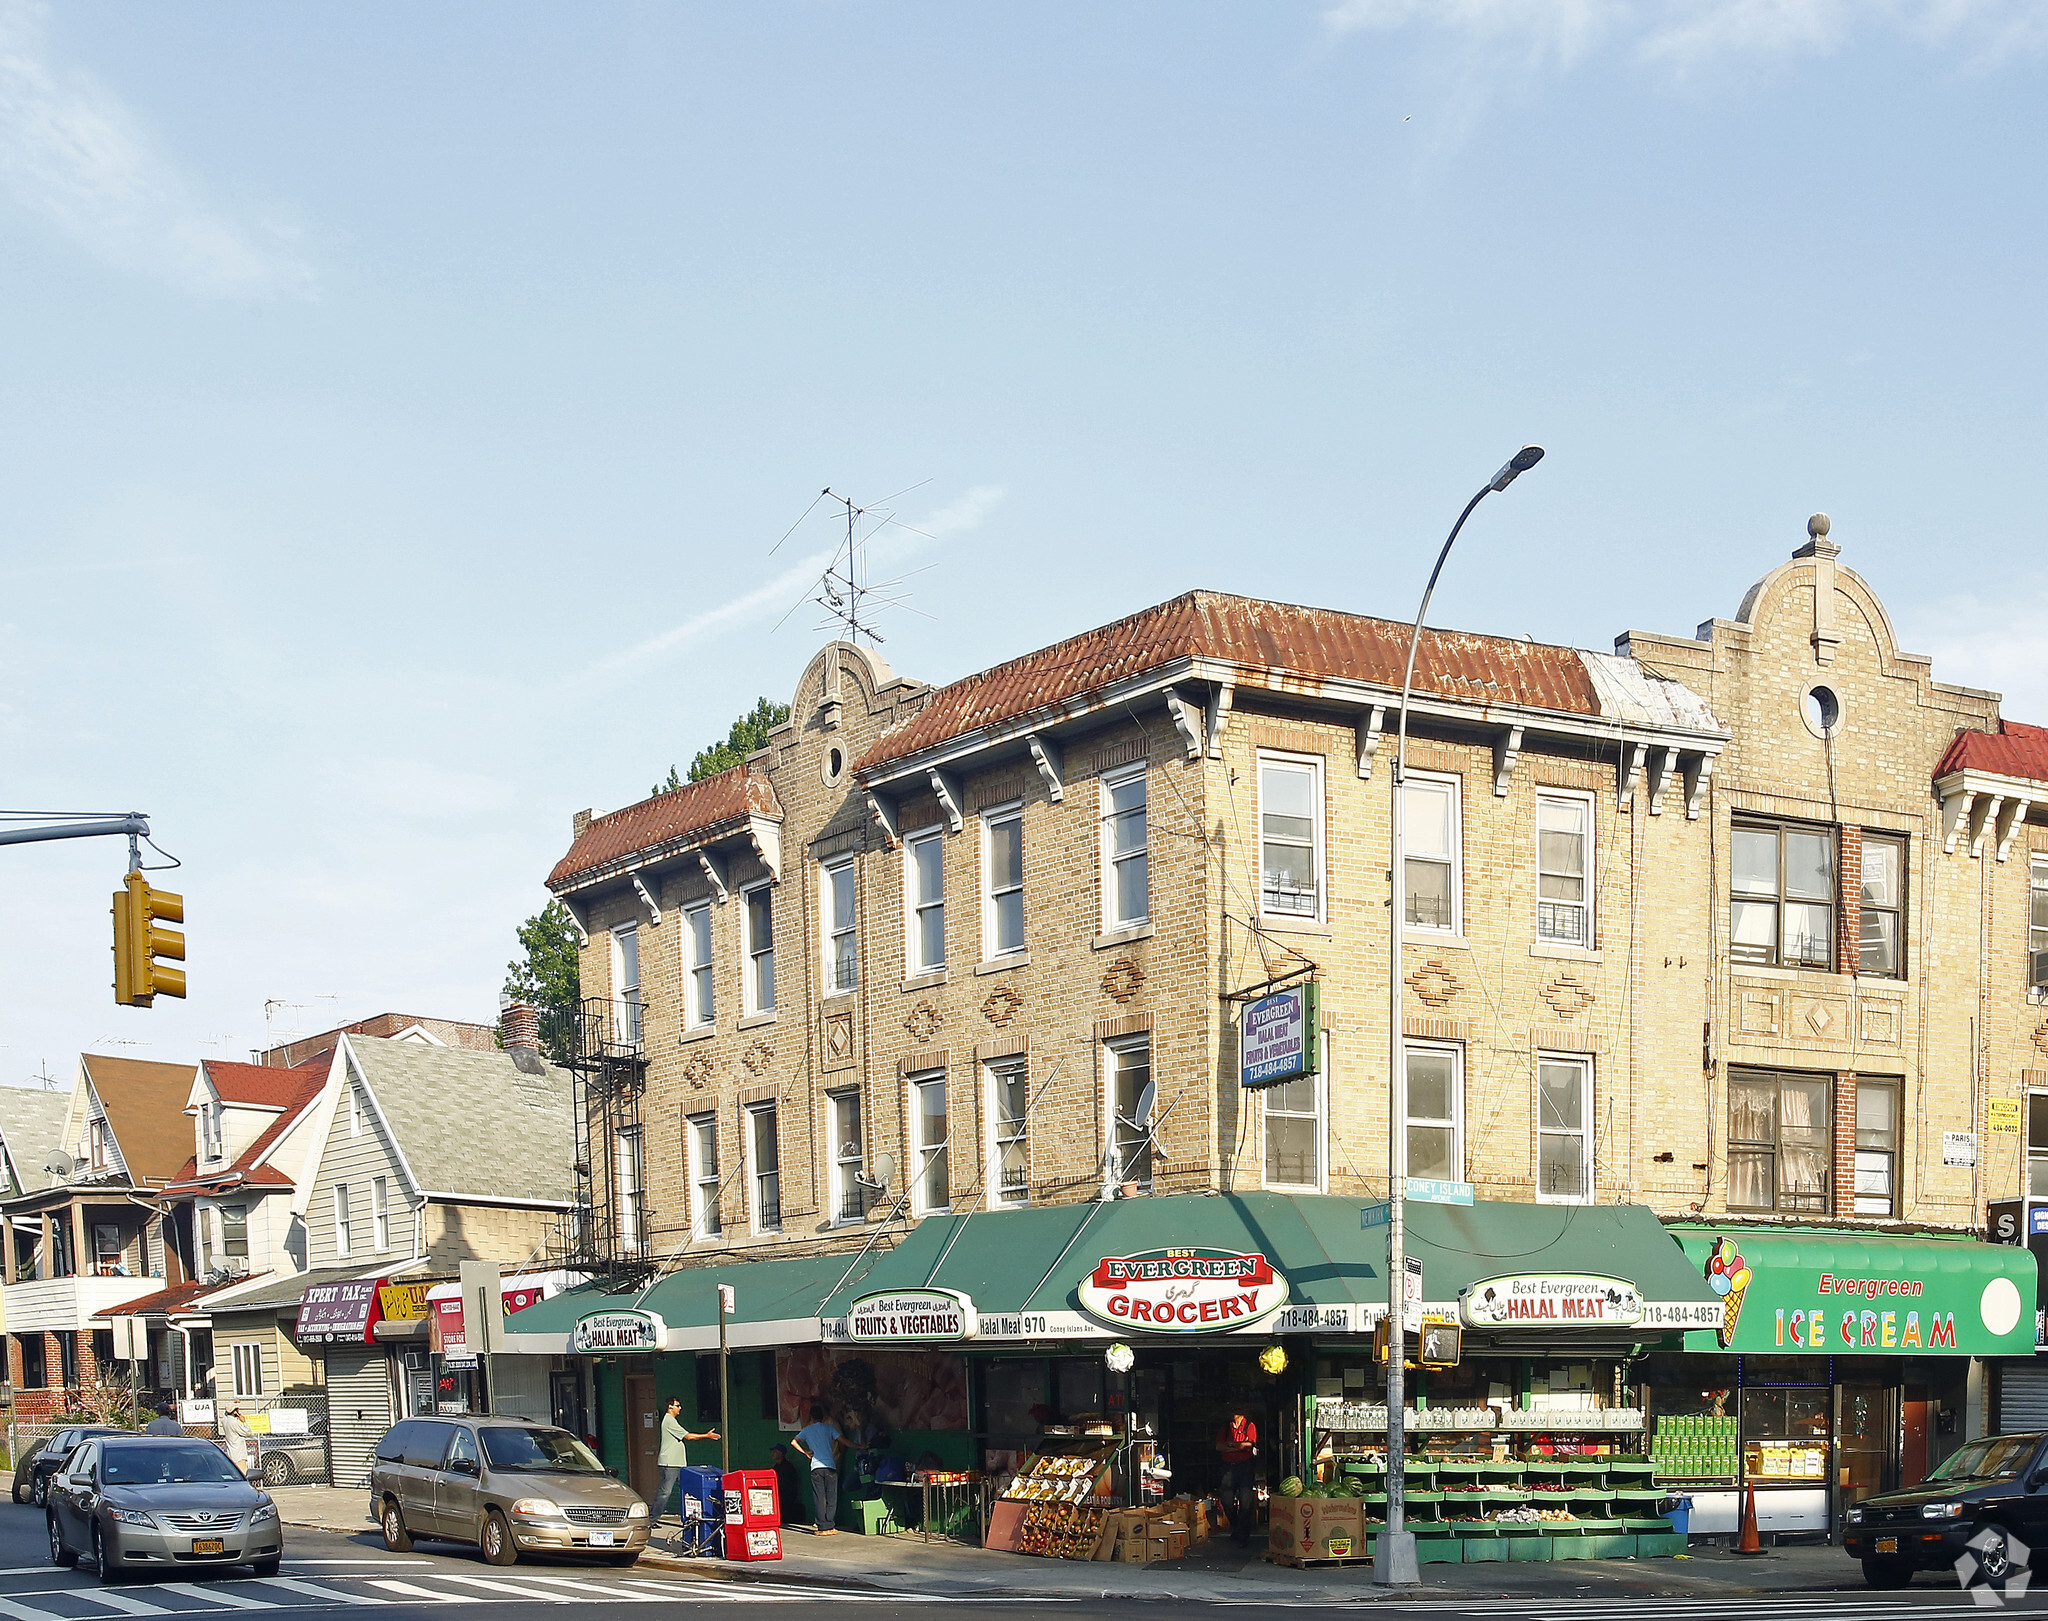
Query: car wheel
point(39, 1492)
point(105, 1566)
point(277, 1470)
point(1887, 1572)
point(267, 1567)
point(59, 1554)
point(499, 1548)
point(1994, 1555)
point(623, 1561)
point(20, 1490)
point(396, 1537)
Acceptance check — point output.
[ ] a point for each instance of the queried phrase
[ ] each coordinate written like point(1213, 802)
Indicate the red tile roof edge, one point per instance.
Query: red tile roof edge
point(671, 818)
point(2014, 750)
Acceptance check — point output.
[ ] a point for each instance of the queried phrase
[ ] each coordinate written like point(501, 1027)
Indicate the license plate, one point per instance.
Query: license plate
point(1887, 1544)
point(602, 1539)
point(209, 1545)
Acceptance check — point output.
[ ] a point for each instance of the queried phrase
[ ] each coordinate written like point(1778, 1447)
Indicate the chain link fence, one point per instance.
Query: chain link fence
point(291, 1434)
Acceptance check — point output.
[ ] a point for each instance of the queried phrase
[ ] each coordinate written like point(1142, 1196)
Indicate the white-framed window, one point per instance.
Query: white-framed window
point(234, 1232)
point(1009, 1130)
point(1436, 1112)
point(700, 1002)
point(1564, 868)
point(764, 1168)
point(1296, 1129)
point(924, 902)
point(209, 1128)
point(758, 919)
point(632, 1189)
point(700, 1133)
point(248, 1365)
point(933, 1190)
point(2037, 915)
point(344, 1229)
point(626, 983)
point(1002, 881)
point(380, 1211)
point(1564, 1128)
point(839, 913)
point(1432, 876)
point(355, 1113)
point(849, 1157)
point(1126, 878)
point(1877, 1145)
point(1290, 836)
point(1131, 1099)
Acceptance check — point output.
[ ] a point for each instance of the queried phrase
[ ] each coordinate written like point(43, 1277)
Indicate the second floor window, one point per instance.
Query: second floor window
point(632, 1175)
point(849, 1161)
point(1564, 1129)
point(1781, 906)
point(760, 922)
point(1003, 906)
point(1290, 837)
point(97, 1140)
point(1009, 1094)
point(1436, 1113)
point(1877, 1147)
point(842, 932)
point(1126, 876)
point(2037, 917)
point(1883, 946)
point(764, 1154)
point(1432, 847)
point(1564, 876)
point(380, 1211)
point(234, 1231)
point(934, 1191)
point(344, 1225)
point(699, 994)
point(924, 871)
point(209, 1128)
point(1780, 1141)
point(1294, 1132)
point(1132, 1099)
point(701, 1136)
point(626, 984)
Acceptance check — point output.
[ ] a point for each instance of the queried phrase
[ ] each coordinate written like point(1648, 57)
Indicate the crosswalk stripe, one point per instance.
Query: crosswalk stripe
point(411, 1591)
point(332, 1595)
point(126, 1603)
point(545, 1594)
point(25, 1612)
point(214, 1595)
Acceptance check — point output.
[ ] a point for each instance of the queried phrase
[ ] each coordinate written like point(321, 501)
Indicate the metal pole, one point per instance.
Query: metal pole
point(724, 1428)
point(136, 825)
point(1394, 1559)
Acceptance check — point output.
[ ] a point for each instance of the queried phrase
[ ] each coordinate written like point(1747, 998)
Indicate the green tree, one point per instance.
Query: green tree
point(548, 975)
point(749, 732)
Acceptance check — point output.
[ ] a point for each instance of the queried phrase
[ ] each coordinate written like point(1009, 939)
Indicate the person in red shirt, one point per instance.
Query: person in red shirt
point(1237, 1444)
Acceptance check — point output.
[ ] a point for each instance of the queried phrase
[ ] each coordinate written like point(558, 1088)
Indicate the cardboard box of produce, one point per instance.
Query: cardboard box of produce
point(1302, 1527)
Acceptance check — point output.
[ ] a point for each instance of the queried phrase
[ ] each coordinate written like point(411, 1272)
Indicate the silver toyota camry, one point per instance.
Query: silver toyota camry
point(145, 1504)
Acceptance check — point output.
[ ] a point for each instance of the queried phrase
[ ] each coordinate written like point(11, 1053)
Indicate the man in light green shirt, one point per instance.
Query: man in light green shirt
point(674, 1456)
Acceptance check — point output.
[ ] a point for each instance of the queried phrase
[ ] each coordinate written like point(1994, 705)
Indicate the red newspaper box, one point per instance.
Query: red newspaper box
point(753, 1542)
point(751, 1502)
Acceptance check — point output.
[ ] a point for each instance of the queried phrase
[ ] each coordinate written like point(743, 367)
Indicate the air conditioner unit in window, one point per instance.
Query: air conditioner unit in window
point(2037, 969)
point(415, 1361)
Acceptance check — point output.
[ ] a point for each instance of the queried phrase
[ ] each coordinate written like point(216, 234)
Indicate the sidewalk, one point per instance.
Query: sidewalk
point(1214, 1572)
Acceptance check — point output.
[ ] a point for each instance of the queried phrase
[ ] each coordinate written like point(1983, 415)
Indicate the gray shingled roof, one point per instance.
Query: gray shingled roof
point(473, 1123)
point(32, 1120)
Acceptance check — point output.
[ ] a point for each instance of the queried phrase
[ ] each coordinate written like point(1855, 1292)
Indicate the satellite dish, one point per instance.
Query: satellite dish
point(60, 1164)
point(1148, 1095)
point(885, 1167)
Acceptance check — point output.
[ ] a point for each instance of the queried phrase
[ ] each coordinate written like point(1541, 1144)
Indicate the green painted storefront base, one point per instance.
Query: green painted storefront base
point(1442, 1543)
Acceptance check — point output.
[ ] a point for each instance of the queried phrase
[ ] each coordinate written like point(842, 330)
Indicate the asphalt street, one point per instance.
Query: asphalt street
point(325, 1571)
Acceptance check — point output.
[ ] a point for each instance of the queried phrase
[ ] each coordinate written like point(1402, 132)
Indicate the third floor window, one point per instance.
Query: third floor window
point(925, 880)
point(1126, 878)
point(1781, 905)
point(1431, 844)
point(2037, 930)
point(699, 992)
point(842, 928)
point(1564, 871)
point(1290, 837)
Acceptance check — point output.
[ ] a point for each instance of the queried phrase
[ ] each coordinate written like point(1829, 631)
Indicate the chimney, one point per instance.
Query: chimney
point(519, 1026)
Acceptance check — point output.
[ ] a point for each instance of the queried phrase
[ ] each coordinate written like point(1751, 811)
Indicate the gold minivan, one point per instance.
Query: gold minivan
point(506, 1485)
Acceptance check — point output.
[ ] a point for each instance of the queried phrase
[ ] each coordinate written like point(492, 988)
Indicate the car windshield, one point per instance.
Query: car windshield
point(554, 1452)
point(1996, 1457)
point(199, 1464)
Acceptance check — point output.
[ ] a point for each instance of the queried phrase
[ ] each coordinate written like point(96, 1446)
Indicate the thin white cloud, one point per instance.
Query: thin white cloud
point(1995, 643)
point(71, 152)
point(1685, 34)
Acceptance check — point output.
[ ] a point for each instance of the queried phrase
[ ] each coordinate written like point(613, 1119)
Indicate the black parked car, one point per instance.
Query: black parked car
point(40, 1461)
point(1979, 1500)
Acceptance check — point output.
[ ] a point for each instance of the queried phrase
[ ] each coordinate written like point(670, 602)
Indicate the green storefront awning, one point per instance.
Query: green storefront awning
point(1821, 1292)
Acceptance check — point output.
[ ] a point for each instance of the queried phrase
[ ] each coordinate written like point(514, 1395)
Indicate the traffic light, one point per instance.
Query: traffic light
point(139, 940)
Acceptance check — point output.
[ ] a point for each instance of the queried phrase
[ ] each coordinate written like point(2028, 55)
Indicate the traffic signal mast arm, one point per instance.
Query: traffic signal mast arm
point(135, 825)
point(140, 910)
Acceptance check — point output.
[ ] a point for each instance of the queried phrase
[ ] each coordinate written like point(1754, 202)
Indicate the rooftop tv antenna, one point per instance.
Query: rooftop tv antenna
point(849, 597)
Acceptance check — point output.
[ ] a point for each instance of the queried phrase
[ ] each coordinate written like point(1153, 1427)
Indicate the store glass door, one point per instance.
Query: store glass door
point(1866, 1420)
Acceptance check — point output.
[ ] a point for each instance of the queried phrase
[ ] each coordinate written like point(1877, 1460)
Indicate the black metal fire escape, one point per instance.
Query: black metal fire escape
point(607, 1234)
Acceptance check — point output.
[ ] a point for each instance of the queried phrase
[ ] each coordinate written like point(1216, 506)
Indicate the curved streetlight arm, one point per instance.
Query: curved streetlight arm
point(1415, 635)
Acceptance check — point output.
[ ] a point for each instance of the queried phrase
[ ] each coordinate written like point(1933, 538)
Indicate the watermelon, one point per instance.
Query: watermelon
point(1291, 1486)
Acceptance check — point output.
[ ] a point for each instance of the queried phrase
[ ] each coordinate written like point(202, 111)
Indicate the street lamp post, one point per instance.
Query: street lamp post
point(1394, 1561)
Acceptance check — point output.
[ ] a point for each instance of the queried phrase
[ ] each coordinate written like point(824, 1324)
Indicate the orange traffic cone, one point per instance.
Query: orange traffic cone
point(1749, 1542)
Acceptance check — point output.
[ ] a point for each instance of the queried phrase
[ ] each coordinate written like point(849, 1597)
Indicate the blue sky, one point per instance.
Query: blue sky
point(401, 405)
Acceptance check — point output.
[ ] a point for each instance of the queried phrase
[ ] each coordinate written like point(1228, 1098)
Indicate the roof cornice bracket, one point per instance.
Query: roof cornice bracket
point(1697, 776)
point(1051, 762)
point(2009, 820)
point(946, 790)
point(1190, 722)
point(647, 898)
point(1955, 809)
point(882, 808)
point(1983, 818)
point(576, 920)
point(1219, 712)
point(1631, 771)
point(1368, 727)
point(714, 874)
point(1661, 768)
point(1507, 749)
point(766, 837)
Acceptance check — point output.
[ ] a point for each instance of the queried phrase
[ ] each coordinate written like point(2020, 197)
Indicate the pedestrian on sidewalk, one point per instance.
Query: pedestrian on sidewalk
point(674, 1456)
point(163, 1423)
point(821, 1442)
point(237, 1439)
point(1237, 1444)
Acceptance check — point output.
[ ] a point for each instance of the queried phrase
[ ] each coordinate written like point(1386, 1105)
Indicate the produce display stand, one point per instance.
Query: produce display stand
point(1052, 1507)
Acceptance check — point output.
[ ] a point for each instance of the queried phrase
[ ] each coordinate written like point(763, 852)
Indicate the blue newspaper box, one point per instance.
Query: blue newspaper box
point(702, 1503)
